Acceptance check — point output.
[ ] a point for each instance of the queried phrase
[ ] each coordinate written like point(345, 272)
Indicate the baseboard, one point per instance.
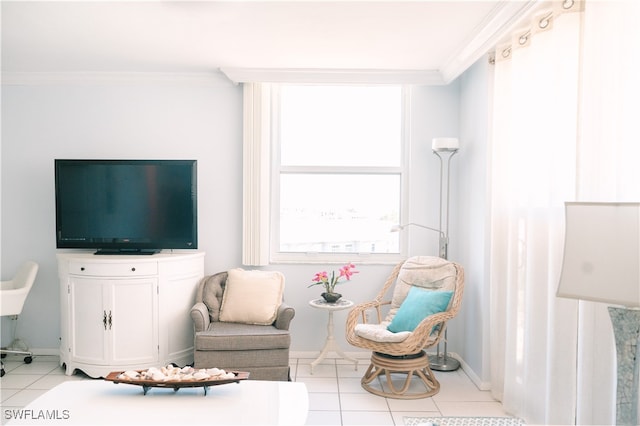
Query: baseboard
point(311, 355)
point(482, 385)
point(45, 351)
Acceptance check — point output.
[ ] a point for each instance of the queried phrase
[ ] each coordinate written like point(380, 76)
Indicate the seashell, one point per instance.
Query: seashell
point(174, 373)
point(130, 374)
point(214, 371)
point(201, 375)
point(158, 376)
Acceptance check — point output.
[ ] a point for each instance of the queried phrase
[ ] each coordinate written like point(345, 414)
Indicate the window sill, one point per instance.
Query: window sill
point(337, 258)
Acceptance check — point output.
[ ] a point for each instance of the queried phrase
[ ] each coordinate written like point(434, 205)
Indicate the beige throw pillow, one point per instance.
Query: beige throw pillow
point(252, 297)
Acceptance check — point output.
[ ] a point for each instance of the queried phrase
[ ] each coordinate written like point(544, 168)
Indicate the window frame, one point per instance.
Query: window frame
point(277, 256)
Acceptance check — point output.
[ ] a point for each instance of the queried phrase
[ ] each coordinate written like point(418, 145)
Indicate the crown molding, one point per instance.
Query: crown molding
point(485, 36)
point(502, 19)
point(336, 76)
point(226, 76)
point(214, 78)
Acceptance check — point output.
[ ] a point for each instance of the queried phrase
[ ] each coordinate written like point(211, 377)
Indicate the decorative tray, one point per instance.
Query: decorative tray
point(118, 377)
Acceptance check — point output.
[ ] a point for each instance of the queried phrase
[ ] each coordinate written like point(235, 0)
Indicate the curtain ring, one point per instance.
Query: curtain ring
point(506, 52)
point(523, 39)
point(545, 21)
point(568, 4)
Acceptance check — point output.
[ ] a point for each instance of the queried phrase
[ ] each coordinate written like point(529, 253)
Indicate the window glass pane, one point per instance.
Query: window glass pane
point(341, 125)
point(339, 213)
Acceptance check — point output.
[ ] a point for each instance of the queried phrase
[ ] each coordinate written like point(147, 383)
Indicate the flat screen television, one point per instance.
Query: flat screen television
point(126, 206)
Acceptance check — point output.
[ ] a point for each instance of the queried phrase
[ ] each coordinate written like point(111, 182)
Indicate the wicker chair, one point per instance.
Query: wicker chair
point(403, 353)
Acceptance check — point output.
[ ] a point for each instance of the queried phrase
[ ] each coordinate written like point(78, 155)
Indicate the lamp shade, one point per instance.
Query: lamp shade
point(602, 253)
point(445, 144)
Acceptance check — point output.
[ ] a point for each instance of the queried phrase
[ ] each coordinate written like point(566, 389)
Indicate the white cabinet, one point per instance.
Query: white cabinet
point(113, 322)
point(126, 312)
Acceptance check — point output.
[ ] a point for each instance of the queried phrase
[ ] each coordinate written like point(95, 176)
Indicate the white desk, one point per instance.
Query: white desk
point(98, 402)
point(331, 344)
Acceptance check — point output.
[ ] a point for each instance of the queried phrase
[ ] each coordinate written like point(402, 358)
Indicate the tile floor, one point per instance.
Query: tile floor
point(335, 394)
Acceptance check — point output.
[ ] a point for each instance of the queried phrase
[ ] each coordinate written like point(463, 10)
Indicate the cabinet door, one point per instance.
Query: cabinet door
point(177, 296)
point(133, 321)
point(89, 321)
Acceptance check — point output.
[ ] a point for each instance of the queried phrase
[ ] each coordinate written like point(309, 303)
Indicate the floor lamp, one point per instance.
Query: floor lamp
point(441, 147)
point(444, 148)
point(602, 264)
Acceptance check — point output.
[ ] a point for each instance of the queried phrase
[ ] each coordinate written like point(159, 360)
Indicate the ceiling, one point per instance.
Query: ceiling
point(418, 41)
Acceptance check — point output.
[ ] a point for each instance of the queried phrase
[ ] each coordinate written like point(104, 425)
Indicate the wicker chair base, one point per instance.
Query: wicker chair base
point(384, 366)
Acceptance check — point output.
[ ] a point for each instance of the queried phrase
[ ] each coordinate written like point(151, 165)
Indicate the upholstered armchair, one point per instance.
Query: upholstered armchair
point(241, 323)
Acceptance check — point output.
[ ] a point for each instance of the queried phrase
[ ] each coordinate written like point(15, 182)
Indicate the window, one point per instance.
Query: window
point(337, 172)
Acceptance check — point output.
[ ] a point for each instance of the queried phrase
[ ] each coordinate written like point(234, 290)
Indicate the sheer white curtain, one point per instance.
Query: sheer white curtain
point(608, 170)
point(533, 172)
point(562, 131)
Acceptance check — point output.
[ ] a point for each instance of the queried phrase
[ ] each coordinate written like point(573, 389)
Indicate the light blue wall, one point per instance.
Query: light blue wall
point(469, 215)
point(111, 120)
point(177, 120)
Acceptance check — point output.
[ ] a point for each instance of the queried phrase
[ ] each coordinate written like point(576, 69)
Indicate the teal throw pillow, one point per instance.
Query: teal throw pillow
point(419, 304)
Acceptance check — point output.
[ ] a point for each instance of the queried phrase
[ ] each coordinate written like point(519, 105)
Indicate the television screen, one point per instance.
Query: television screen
point(125, 206)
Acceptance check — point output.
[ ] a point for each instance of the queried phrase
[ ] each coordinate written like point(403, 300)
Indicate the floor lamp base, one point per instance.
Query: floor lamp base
point(443, 363)
point(626, 330)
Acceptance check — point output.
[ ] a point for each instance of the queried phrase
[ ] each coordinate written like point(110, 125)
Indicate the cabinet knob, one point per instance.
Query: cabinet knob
point(82, 268)
point(133, 269)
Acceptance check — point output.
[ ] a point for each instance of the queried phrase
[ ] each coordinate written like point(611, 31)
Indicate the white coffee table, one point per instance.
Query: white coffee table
point(98, 402)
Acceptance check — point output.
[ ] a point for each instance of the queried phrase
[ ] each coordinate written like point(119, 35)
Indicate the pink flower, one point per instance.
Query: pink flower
point(322, 278)
point(346, 271)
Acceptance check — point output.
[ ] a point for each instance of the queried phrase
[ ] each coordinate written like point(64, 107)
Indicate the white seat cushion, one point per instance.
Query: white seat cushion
point(379, 333)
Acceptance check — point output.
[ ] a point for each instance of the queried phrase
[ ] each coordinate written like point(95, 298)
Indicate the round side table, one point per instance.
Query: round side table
point(331, 344)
